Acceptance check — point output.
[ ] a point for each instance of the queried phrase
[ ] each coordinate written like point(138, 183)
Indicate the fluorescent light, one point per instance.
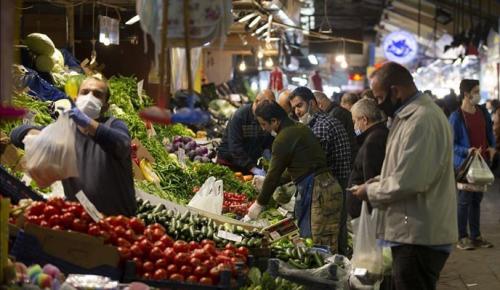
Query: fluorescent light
point(242, 66)
point(312, 59)
point(206, 44)
point(133, 20)
point(340, 58)
point(247, 17)
point(300, 81)
point(255, 21)
point(269, 62)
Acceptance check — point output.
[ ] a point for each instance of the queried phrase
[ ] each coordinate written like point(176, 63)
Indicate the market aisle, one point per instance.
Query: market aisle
point(478, 269)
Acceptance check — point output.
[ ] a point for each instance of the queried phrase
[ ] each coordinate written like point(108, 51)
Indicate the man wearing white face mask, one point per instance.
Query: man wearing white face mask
point(472, 131)
point(103, 152)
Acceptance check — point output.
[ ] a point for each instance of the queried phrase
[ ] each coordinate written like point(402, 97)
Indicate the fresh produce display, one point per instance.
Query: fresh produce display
point(191, 227)
point(38, 110)
point(235, 203)
point(300, 257)
point(264, 281)
point(192, 150)
point(272, 215)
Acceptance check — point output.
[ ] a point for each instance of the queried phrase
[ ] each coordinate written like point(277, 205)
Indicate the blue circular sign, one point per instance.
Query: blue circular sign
point(400, 46)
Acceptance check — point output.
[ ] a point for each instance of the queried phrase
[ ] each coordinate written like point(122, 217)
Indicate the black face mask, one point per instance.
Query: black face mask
point(388, 107)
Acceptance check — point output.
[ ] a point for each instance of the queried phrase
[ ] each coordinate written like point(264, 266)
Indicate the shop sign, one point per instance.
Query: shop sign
point(400, 46)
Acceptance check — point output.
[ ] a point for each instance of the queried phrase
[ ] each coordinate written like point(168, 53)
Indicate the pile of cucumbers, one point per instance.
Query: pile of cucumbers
point(300, 257)
point(192, 227)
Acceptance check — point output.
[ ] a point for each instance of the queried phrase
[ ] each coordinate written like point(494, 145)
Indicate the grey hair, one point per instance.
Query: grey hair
point(320, 95)
point(367, 108)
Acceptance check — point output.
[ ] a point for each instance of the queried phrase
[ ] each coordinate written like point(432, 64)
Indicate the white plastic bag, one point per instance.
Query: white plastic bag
point(50, 155)
point(479, 172)
point(210, 197)
point(367, 254)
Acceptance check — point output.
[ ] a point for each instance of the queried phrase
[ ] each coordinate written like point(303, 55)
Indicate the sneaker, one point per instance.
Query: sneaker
point(465, 244)
point(480, 242)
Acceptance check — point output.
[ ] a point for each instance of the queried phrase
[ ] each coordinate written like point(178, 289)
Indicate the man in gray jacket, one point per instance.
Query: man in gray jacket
point(415, 193)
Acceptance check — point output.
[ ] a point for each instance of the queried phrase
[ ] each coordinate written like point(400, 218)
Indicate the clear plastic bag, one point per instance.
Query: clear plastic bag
point(51, 155)
point(210, 196)
point(367, 254)
point(479, 172)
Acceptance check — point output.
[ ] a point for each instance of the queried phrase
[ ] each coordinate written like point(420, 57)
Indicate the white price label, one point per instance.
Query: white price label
point(274, 235)
point(282, 211)
point(89, 206)
point(229, 236)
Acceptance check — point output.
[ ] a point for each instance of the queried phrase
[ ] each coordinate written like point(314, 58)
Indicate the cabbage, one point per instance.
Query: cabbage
point(44, 63)
point(40, 44)
point(58, 59)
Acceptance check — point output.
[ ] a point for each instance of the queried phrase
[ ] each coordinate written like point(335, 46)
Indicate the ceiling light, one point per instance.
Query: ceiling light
point(247, 17)
point(313, 59)
point(325, 26)
point(133, 20)
point(340, 58)
point(242, 66)
point(344, 65)
point(260, 54)
point(269, 62)
point(255, 21)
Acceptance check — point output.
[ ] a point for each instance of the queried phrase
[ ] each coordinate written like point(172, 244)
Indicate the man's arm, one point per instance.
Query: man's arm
point(456, 123)
point(17, 135)
point(412, 175)
point(114, 139)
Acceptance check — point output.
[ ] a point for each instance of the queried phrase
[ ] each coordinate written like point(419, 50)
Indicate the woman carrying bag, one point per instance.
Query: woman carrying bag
point(472, 131)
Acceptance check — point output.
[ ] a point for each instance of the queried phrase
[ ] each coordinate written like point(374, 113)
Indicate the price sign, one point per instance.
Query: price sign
point(229, 236)
point(89, 206)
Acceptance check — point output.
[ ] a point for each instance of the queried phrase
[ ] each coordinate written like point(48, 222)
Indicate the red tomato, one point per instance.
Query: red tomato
point(214, 273)
point(120, 231)
point(79, 225)
point(210, 249)
point(161, 263)
point(67, 218)
point(243, 251)
point(181, 259)
point(172, 269)
point(155, 254)
point(200, 254)
point(106, 236)
point(54, 220)
point(169, 254)
point(137, 225)
point(228, 253)
point(122, 220)
point(206, 281)
point(147, 276)
point(157, 234)
point(241, 257)
point(57, 202)
point(193, 245)
point(186, 270)
point(176, 277)
point(157, 226)
point(57, 228)
point(94, 231)
point(194, 261)
point(44, 224)
point(86, 217)
point(207, 241)
point(121, 242)
point(124, 253)
point(104, 225)
point(75, 210)
point(34, 219)
point(148, 266)
point(230, 246)
point(180, 246)
point(138, 264)
point(50, 210)
point(130, 235)
point(160, 245)
point(136, 251)
point(167, 240)
point(192, 279)
point(200, 271)
point(160, 274)
point(222, 259)
point(208, 263)
point(36, 208)
point(146, 246)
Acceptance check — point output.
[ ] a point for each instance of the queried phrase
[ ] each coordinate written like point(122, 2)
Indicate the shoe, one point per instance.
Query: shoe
point(480, 242)
point(465, 244)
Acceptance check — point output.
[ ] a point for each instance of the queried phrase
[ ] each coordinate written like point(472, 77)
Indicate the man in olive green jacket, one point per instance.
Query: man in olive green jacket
point(416, 191)
point(295, 149)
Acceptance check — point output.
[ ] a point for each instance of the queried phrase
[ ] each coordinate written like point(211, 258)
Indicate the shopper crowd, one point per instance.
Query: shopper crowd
point(391, 146)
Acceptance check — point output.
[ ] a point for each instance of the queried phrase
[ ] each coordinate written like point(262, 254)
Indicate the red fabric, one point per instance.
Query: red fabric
point(317, 83)
point(276, 80)
point(476, 127)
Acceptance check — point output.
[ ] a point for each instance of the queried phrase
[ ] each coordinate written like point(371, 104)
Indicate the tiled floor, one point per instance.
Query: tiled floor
point(478, 269)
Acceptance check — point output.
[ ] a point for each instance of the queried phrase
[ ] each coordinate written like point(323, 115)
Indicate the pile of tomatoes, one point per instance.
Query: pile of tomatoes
point(155, 254)
point(235, 203)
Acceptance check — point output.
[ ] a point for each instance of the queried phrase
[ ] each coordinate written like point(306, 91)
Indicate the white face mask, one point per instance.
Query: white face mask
point(357, 131)
point(273, 133)
point(307, 117)
point(89, 105)
point(475, 99)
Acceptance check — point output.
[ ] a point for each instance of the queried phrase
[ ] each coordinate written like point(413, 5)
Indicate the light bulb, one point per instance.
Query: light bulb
point(313, 59)
point(242, 66)
point(344, 65)
point(340, 58)
point(260, 54)
point(106, 41)
point(269, 62)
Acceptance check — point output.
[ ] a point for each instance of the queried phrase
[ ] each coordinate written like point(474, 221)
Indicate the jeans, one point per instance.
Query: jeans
point(416, 267)
point(469, 212)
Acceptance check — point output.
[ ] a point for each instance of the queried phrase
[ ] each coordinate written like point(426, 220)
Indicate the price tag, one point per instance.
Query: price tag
point(89, 206)
point(181, 155)
point(274, 235)
point(282, 211)
point(229, 236)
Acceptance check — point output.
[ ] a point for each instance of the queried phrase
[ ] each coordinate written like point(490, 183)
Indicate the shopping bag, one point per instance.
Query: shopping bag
point(479, 172)
point(209, 197)
point(51, 155)
point(461, 172)
point(367, 254)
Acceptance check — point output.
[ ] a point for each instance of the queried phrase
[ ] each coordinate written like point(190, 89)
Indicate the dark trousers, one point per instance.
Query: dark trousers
point(469, 212)
point(416, 267)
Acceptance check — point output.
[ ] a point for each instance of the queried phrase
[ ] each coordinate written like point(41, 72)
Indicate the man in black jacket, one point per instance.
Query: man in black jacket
point(244, 141)
point(334, 110)
point(369, 124)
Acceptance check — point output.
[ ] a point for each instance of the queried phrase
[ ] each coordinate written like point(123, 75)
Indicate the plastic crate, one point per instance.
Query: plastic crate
point(15, 189)
point(224, 283)
point(28, 250)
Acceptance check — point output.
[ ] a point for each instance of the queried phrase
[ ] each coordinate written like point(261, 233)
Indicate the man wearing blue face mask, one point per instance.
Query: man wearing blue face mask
point(103, 152)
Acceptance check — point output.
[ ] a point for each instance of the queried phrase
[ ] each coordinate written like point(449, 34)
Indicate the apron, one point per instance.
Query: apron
point(318, 208)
